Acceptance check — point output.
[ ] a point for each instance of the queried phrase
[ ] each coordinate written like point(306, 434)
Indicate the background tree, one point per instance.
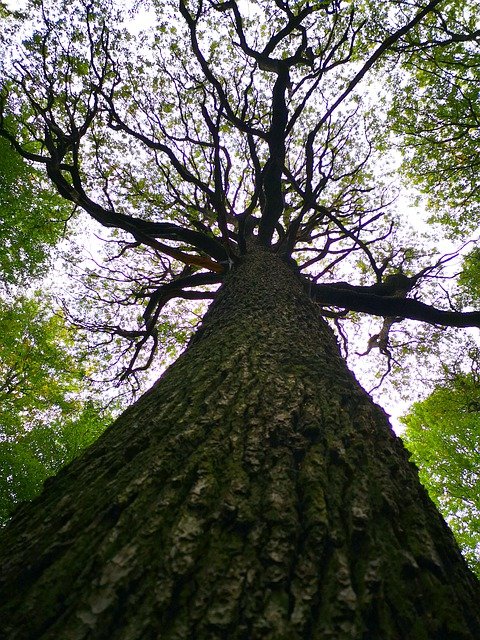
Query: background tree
point(443, 434)
point(255, 491)
point(49, 411)
point(32, 219)
point(45, 417)
point(469, 279)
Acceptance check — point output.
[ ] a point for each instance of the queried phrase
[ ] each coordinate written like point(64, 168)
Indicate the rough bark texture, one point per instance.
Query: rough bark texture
point(254, 492)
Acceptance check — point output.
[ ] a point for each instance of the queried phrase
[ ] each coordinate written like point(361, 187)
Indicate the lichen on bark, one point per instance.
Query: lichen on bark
point(255, 492)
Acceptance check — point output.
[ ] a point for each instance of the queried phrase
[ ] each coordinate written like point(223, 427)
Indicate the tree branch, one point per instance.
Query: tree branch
point(359, 299)
point(386, 45)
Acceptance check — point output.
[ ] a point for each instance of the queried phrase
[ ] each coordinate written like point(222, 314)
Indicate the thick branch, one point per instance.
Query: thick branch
point(158, 300)
point(273, 170)
point(175, 288)
point(358, 299)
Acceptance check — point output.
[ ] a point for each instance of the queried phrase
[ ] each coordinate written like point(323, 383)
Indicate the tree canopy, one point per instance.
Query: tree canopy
point(229, 121)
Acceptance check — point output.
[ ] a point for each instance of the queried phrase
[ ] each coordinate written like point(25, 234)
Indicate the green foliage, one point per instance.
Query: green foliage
point(436, 112)
point(45, 421)
point(469, 278)
point(31, 218)
point(45, 418)
point(443, 434)
point(27, 460)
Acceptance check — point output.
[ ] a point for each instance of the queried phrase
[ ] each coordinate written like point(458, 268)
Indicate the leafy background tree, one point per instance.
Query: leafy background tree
point(49, 412)
point(47, 415)
point(443, 434)
point(469, 279)
point(32, 219)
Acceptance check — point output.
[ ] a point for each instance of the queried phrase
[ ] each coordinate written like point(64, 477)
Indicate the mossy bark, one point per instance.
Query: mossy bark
point(255, 492)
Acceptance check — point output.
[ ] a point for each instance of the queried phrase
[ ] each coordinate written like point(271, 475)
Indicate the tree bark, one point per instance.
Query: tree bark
point(254, 492)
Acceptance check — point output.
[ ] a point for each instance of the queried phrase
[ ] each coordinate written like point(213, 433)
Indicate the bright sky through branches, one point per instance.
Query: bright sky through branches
point(342, 133)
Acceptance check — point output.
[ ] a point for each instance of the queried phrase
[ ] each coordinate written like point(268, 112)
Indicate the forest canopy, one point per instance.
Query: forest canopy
point(443, 434)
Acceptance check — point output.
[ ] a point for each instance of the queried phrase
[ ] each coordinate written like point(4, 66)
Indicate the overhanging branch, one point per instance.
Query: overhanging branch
point(357, 299)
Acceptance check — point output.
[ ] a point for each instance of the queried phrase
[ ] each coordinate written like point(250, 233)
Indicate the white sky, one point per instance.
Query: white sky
point(15, 5)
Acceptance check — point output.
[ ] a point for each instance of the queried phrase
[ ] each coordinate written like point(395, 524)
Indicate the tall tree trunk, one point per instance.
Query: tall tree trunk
point(255, 492)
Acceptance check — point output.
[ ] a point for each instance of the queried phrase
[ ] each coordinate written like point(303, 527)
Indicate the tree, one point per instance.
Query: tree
point(44, 420)
point(32, 216)
point(437, 109)
point(32, 219)
point(443, 434)
point(255, 491)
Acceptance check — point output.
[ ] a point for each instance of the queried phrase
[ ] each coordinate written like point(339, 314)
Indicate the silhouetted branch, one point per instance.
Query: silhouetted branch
point(359, 299)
